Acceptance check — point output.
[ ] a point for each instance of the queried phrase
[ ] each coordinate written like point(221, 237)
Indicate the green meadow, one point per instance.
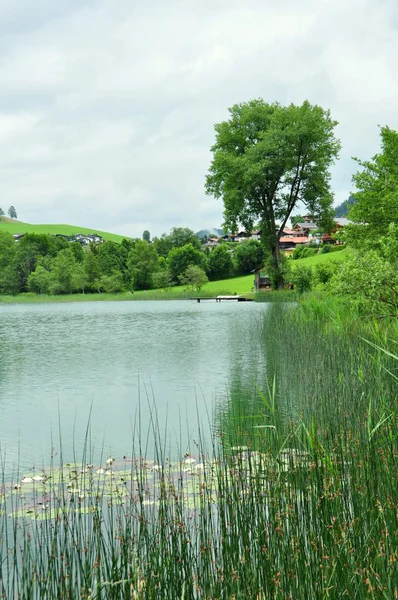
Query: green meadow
point(15, 227)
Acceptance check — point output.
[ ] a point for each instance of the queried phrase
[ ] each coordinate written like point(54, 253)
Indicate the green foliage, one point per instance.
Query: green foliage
point(194, 277)
point(302, 277)
point(112, 284)
point(294, 219)
point(29, 250)
point(248, 256)
point(39, 280)
point(377, 194)
point(8, 275)
point(177, 238)
point(281, 276)
point(142, 264)
point(266, 159)
point(2, 213)
point(328, 248)
point(220, 263)
point(304, 252)
point(12, 213)
point(146, 236)
point(179, 259)
point(92, 269)
point(111, 257)
point(161, 279)
point(369, 278)
point(325, 271)
point(67, 275)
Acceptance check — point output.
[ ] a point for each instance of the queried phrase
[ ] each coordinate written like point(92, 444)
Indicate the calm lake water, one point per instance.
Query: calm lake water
point(114, 364)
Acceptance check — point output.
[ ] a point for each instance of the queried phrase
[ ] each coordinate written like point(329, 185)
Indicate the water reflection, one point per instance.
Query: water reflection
point(58, 362)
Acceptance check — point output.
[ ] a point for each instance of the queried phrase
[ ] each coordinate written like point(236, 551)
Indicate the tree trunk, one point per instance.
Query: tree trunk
point(276, 266)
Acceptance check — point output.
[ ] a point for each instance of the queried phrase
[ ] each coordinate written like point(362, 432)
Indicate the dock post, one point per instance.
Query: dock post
point(198, 300)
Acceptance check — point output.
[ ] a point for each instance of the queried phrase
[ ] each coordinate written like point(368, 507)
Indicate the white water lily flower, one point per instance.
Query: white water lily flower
point(38, 478)
point(189, 461)
point(156, 468)
point(100, 471)
point(199, 467)
point(27, 480)
point(110, 461)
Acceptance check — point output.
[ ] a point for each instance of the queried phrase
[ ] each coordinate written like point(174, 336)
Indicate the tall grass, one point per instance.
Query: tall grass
point(296, 499)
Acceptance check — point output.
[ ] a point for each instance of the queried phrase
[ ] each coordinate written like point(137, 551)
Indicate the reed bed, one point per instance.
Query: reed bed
point(296, 499)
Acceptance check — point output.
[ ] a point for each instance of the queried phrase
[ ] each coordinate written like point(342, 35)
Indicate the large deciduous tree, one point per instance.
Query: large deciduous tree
point(267, 159)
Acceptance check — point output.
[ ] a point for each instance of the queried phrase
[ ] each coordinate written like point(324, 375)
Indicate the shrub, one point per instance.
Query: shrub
point(304, 251)
point(302, 278)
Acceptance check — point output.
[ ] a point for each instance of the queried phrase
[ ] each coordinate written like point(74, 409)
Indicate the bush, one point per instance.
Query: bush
point(302, 278)
point(325, 271)
point(329, 248)
point(304, 252)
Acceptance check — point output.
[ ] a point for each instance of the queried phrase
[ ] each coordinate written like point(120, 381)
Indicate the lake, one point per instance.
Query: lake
point(118, 366)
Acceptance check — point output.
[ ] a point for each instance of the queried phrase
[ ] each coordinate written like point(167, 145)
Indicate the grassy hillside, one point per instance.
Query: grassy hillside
point(18, 227)
point(311, 261)
point(243, 285)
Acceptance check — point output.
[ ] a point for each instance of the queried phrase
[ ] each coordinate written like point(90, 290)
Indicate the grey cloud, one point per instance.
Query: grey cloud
point(107, 108)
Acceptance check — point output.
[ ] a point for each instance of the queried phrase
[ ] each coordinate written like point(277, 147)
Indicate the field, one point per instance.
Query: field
point(19, 227)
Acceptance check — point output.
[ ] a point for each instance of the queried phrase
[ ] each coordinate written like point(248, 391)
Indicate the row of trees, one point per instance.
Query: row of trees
point(12, 213)
point(46, 264)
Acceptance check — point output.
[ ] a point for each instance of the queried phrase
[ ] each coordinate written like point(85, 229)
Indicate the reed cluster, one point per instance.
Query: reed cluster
point(297, 498)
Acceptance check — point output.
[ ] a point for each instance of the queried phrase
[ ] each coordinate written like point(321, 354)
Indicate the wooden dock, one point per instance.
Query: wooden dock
point(222, 298)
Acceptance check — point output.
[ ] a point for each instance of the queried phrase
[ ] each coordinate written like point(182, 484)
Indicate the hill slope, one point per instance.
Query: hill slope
point(18, 227)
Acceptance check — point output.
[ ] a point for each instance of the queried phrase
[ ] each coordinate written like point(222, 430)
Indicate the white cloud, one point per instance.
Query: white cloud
point(107, 108)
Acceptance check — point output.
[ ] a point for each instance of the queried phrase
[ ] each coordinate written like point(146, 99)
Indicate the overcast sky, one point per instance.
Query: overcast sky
point(107, 107)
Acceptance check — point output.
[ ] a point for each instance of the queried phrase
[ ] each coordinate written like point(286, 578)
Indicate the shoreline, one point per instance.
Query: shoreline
point(120, 297)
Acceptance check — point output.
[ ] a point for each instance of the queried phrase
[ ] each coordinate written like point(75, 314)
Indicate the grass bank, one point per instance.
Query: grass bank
point(179, 293)
point(295, 500)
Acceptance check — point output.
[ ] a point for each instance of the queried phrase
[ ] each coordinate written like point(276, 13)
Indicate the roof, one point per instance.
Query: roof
point(307, 225)
point(293, 240)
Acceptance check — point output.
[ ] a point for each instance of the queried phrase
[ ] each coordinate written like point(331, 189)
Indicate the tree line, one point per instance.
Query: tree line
point(47, 264)
point(12, 213)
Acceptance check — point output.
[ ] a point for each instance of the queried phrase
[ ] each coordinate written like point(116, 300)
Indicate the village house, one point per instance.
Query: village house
point(211, 243)
point(289, 243)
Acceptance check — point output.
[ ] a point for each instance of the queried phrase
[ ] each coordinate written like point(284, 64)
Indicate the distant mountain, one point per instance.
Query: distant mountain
point(209, 233)
point(342, 209)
